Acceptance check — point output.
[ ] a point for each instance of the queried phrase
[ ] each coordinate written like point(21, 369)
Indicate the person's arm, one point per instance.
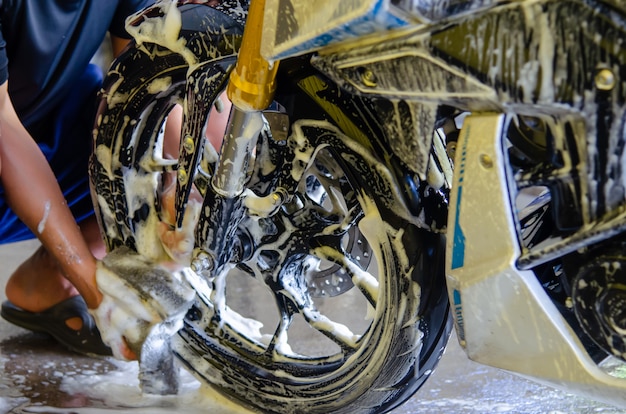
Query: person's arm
point(34, 195)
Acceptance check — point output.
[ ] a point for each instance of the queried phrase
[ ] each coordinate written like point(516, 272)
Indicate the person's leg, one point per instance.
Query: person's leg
point(38, 283)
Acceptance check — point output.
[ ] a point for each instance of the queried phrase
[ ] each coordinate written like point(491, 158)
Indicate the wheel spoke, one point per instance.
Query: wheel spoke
point(302, 301)
point(279, 343)
point(337, 332)
point(160, 166)
point(364, 280)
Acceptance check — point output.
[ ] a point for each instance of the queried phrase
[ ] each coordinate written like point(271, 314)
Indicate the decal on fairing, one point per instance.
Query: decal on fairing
point(458, 314)
point(458, 237)
point(458, 246)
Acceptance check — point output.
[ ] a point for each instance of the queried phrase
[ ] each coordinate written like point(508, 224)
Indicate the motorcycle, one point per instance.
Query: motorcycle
point(430, 163)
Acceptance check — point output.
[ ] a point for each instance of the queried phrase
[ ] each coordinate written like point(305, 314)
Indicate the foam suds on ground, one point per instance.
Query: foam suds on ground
point(119, 389)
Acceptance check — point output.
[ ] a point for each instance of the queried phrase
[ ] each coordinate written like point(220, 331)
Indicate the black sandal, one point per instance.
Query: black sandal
point(85, 341)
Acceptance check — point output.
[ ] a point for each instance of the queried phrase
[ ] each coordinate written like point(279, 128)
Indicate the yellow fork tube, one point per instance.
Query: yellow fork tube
point(252, 82)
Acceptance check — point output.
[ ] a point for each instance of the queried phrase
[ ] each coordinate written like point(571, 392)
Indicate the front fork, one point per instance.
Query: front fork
point(250, 90)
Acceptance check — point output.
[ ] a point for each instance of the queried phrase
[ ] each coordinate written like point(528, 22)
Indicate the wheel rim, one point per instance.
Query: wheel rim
point(304, 282)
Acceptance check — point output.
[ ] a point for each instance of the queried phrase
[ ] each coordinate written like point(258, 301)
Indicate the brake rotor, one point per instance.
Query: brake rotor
point(333, 280)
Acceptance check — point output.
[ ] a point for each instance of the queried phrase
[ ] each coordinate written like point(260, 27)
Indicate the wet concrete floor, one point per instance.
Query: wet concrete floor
point(39, 376)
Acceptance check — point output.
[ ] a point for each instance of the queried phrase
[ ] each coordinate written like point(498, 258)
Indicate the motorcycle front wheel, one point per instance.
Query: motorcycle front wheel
point(341, 306)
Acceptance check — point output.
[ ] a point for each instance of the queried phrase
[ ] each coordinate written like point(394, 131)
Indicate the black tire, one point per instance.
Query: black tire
point(348, 195)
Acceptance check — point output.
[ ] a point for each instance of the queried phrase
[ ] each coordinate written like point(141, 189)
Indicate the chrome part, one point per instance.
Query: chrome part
point(605, 79)
point(202, 262)
point(189, 144)
point(368, 78)
point(278, 125)
point(486, 161)
point(240, 138)
point(182, 176)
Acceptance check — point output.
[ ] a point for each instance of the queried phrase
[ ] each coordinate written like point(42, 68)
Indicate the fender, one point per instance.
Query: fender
point(198, 30)
point(207, 36)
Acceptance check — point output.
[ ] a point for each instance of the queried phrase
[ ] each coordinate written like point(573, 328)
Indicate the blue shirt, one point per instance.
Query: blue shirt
point(46, 44)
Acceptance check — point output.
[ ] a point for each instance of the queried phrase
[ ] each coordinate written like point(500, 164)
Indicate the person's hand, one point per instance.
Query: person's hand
point(140, 298)
point(116, 324)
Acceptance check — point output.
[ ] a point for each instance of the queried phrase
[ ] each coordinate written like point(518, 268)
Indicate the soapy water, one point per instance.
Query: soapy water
point(102, 386)
point(71, 383)
point(120, 388)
